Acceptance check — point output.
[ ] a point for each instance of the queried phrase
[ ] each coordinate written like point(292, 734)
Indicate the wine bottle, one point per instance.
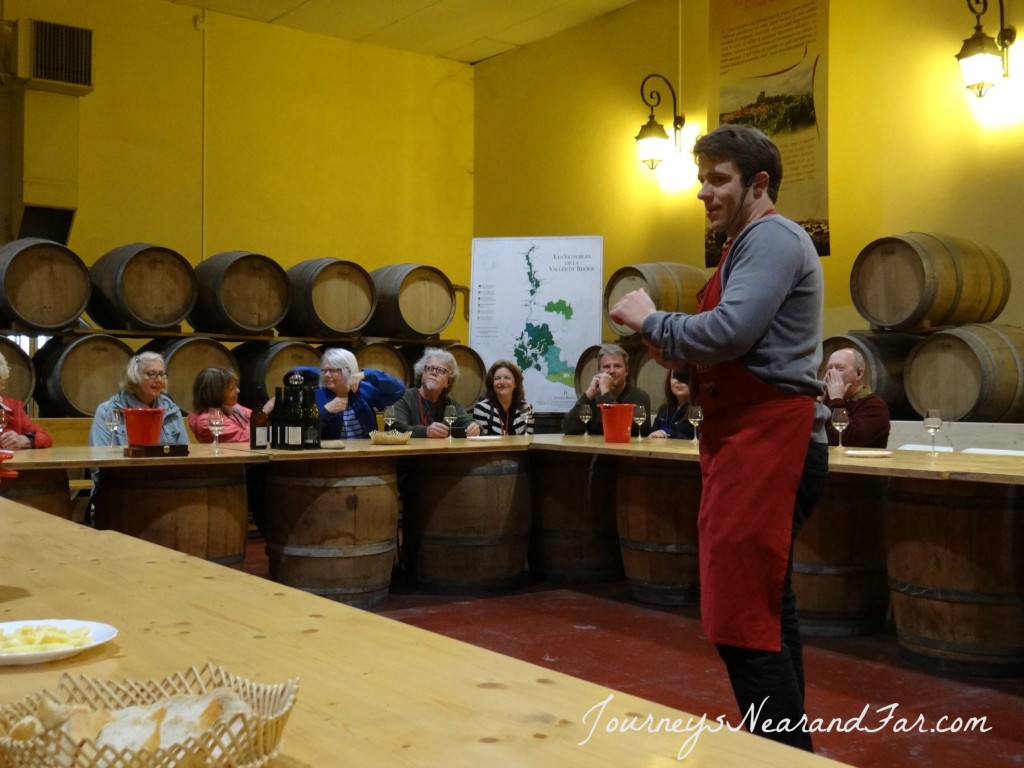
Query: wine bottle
point(258, 430)
point(292, 419)
point(310, 420)
point(277, 419)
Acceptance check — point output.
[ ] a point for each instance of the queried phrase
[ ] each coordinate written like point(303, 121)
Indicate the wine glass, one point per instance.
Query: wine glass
point(840, 421)
point(113, 423)
point(215, 423)
point(639, 417)
point(450, 415)
point(585, 416)
point(695, 415)
point(389, 417)
point(932, 424)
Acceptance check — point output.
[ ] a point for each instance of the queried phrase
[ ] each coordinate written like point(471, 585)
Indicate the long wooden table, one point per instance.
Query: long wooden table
point(373, 691)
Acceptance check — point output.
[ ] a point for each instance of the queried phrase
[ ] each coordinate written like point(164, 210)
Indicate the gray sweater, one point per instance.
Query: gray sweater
point(769, 317)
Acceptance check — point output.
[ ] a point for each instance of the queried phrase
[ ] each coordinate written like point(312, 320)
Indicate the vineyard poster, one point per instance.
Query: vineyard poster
point(773, 74)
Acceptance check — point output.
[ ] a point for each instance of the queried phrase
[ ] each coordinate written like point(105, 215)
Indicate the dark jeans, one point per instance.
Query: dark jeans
point(777, 677)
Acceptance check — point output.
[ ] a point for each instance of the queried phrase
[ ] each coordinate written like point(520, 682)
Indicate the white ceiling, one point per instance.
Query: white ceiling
point(463, 30)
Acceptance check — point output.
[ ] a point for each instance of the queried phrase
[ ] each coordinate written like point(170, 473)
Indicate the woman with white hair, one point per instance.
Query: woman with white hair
point(348, 397)
point(19, 431)
point(143, 386)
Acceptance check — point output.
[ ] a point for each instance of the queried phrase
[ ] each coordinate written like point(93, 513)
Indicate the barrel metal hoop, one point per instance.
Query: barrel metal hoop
point(823, 569)
point(963, 649)
point(356, 550)
point(231, 559)
point(956, 595)
point(332, 482)
point(215, 481)
point(366, 589)
point(655, 546)
point(475, 541)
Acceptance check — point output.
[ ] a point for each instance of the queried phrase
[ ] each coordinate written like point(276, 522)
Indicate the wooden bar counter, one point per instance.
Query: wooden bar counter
point(373, 691)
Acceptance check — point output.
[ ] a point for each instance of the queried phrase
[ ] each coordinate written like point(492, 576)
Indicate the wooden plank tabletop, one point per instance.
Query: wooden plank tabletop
point(373, 691)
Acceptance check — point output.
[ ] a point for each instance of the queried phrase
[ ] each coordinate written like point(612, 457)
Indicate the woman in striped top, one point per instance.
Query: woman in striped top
point(503, 410)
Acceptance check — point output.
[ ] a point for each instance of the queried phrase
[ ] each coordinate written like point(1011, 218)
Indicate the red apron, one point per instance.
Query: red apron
point(754, 440)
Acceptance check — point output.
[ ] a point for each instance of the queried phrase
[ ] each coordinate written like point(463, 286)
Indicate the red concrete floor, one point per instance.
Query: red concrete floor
point(599, 633)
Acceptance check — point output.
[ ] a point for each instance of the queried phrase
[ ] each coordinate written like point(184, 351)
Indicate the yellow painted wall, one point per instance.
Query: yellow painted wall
point(909, 148)
point(239, 136)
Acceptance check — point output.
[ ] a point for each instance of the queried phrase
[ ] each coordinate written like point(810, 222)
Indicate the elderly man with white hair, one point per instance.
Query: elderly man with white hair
point(845, 388)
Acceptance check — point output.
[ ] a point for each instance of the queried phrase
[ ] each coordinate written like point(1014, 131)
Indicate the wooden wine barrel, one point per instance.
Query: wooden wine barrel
point(970, 373)
point(74, 377)
point(184, 358)
point(332, 527)
point(329, 298)
point(414, 301)
point(45, 489)
point(22, 378)
point(262, 366)
point(385, 357)
point(586, 368)
point(839, 575)
point(673, 288)
point(649, 376)
point(198, 509)
point(469, 520)
point(142, 286)
point(239, 292)
point(955, 579)
point(885, 357)
point(656, 507)
point(574, 538)
point(921, 280)
point(44, 286)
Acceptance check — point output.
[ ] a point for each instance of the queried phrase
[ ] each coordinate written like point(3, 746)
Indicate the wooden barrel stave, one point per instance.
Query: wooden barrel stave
point(198, 509)
point(956, 586)
point(142, 286)
point(239, 292)
point(839, 573)
point(575, 537)
point(332, 527)
point(74, 377)
point(413, 301)
point(672, 286)
point(329, 298)
point(185, 358)
point(469, 516)
point(656, 510)
point(44, 286)
point(45, 489)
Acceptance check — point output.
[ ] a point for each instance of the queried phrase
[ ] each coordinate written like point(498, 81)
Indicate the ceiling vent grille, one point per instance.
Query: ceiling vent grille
point(53, 57)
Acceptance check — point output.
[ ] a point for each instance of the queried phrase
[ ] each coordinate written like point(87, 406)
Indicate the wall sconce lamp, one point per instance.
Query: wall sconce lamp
point(652, 142)
point(983, 59)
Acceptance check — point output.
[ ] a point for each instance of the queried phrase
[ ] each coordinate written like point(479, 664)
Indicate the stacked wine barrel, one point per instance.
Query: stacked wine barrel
point(233, 301)
point(931, 300)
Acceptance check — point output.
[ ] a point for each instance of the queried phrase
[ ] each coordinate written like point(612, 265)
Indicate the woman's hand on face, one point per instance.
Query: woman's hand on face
point(354, 381)
point(337, 405)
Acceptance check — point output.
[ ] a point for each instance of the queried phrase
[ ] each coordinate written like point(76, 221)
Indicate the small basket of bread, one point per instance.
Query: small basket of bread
point(391, 437)
point(201, 717)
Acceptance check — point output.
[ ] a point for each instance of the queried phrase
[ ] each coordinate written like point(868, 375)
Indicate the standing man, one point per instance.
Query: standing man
point(609, 385)
point(868, 412)
point(756, 345)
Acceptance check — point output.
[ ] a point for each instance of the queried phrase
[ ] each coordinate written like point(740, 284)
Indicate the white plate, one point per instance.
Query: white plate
point(101, 633)
point(484, 437)
point(865, 453)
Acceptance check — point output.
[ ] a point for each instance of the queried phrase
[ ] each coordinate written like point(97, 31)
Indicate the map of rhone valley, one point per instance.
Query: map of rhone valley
point(537, 302)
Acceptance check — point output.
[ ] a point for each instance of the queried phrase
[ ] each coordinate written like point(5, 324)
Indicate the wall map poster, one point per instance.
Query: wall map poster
point(773, 74)
point(537, 301)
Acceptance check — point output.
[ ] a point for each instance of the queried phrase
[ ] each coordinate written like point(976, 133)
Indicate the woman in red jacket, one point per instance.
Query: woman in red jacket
point(18, 430)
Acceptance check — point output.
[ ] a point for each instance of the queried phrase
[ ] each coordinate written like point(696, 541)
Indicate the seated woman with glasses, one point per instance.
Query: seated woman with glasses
point(143, 386)
point(216, 389)
point(348, 397)
point(422, 409)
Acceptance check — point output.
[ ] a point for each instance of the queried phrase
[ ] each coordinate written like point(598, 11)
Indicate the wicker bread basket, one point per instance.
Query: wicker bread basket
point(247, 740)
point(392, 437)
